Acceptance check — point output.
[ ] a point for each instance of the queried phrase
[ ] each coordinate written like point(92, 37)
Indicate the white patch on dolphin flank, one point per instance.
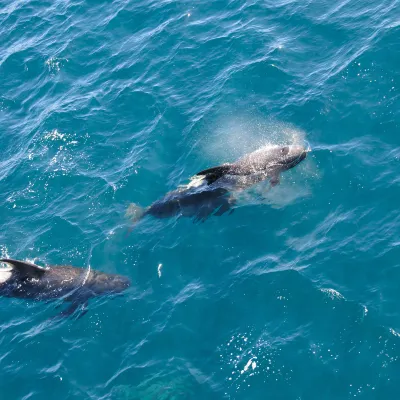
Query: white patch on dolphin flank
point(196, 181)
point(5, 274)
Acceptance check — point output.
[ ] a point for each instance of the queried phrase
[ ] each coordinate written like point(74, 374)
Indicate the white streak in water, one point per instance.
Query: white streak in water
point(159, 270)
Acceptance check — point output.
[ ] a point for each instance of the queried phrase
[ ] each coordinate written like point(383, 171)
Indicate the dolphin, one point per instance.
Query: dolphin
point(24, 280)
point(210, 191)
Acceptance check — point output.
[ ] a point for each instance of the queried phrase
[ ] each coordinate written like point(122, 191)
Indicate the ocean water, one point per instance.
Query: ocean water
point(296, 294)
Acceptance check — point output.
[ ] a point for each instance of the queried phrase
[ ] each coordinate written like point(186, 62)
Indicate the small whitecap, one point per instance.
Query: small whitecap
point(393, 332)
point(159, 270)
point(54, 64)
point(333, 294)
point(365, 310)
point(246, 367)
point(54, 135)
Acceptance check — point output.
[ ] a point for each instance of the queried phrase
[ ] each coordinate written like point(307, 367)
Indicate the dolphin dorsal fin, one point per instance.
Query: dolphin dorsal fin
point(25, 268)
point(214, 173)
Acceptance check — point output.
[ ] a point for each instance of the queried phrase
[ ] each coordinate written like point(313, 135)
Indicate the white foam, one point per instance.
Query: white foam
point(333, 294)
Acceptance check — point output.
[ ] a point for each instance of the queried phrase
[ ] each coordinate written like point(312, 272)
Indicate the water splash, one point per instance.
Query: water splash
point(232, 137)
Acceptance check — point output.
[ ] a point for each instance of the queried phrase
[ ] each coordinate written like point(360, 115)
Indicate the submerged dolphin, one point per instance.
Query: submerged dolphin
point(209, 191)
point(25, 280)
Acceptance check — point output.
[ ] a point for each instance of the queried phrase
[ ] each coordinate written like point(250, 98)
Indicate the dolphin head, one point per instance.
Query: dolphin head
point(289, 156)
point(101, 283)
point(269, 159)
point(118, 283)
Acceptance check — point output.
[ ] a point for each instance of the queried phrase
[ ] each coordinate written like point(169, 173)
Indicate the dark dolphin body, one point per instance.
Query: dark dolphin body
point(75, 285)
point(209, 192)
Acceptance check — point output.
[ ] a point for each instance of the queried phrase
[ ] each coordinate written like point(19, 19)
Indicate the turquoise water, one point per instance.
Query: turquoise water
point(293, 296)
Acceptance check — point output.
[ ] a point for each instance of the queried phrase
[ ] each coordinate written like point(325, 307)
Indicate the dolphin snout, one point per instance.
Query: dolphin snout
point(296, 155)
point(304, 153)
point(120, 283)
point(299, 151)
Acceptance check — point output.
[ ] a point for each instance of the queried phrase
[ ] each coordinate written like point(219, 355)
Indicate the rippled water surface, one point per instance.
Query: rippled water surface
point(293, 296)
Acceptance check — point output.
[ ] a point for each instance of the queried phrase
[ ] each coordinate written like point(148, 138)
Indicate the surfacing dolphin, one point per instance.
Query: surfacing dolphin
point(209, 192)
point(22, 279)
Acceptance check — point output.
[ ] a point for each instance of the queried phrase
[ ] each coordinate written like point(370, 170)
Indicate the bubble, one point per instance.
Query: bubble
point(251, 359)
